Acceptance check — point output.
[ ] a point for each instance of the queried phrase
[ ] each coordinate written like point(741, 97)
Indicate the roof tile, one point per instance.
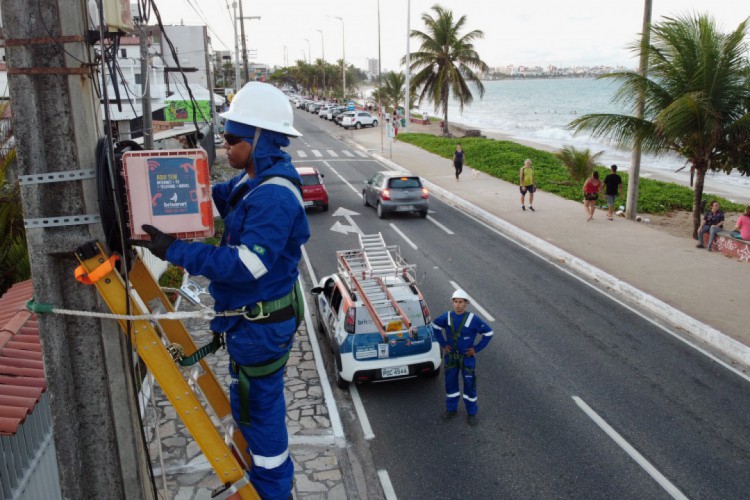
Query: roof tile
point(22, 378)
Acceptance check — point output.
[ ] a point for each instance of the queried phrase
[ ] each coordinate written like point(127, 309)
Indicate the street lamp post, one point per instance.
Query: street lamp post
point(380, 106)
point(309, 51)
point(343, 42)
point(323, 50)
point(407, 114)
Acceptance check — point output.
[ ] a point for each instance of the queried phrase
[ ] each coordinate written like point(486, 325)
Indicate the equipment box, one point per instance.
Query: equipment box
point(171, 190)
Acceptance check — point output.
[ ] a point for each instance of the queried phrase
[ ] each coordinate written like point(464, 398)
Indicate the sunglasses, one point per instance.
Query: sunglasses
point(232, 139)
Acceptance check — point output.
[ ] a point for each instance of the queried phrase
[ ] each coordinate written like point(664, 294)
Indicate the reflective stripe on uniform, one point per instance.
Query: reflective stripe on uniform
point(467, 398)
point(252, 262)
point(436, 327)
point(453, 395)
point(270, 462)
point(468, 320)
point(488, 334)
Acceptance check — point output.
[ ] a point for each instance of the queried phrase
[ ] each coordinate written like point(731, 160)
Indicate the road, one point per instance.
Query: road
point(579, 396)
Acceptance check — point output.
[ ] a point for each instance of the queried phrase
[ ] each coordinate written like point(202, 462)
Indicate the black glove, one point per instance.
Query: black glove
point(159, 243)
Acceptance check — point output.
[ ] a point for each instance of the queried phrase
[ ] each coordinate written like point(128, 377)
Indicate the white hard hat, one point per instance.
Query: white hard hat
point(264, 106)
point(460, 294)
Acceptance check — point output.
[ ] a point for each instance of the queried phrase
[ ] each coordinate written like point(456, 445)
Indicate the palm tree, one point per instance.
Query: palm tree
point(580, 163)
point(392, 91)
point(446, 61)
point(697, 100)
point(14, 256)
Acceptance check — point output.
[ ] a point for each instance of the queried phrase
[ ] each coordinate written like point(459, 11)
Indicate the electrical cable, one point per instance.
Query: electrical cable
point(108, 148)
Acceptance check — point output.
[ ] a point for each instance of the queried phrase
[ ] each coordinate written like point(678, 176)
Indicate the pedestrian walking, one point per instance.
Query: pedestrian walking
point(254, 273)
point(591, 189)
point(527, 184)
point(612, 189)
point(458, 160)
point(396, 124)
point(456, 332)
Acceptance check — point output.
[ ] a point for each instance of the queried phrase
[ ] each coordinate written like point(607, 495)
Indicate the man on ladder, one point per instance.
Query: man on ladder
point(254, 271)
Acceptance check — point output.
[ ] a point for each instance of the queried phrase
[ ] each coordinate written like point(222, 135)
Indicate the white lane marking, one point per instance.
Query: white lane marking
point(361, 154)
point(317, 153)
point(301, 153)
point(429, 218)
point(407, 240)
point(361, 413)
point(332, 153)
point(385, 482)
point(487, 316)
point(342, 179)
point(612, 298)
point(673, 491)
point(333, 411)
point(347, 153)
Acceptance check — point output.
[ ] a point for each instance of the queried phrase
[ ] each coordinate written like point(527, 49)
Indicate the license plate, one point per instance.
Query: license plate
point(405, 208)
point(308, 203)
point(396, 371)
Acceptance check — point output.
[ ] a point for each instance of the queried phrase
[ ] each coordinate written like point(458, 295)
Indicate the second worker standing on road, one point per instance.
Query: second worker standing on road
point(456, 332)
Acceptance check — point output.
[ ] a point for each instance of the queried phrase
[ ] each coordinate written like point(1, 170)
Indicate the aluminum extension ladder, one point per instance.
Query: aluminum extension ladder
point(366, 269)
point(227, 454)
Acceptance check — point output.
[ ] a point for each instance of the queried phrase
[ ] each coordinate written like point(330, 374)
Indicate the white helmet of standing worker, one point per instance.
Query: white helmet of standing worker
point(264, 106)
point(460, 294)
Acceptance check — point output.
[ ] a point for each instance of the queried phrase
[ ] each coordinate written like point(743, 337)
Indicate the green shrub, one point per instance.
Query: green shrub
point(503, 159)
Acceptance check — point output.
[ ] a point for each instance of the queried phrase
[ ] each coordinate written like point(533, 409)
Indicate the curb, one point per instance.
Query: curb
point(729, 347)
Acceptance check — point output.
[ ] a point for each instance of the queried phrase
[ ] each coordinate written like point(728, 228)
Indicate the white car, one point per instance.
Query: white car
point(404, 346)
point(358, 119)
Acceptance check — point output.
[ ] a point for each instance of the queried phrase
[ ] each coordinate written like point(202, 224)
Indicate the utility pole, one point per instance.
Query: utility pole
point(246, 75)
point(98, 443)
point(237, 84)
point(380, 97)
point(210, 85)
point(407, 108)
point(148, 125)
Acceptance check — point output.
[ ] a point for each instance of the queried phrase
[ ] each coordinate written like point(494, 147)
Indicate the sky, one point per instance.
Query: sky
point(526, 32)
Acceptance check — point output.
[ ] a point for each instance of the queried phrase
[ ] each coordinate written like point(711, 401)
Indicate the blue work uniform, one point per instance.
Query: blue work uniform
point(257, 261)
point(459, 332)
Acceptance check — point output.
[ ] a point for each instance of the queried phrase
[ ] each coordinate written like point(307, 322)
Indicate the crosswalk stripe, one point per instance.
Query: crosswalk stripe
point(332, 153)
point(317, 153)
point(301, 153)
point(347, 153)
point(360, 153)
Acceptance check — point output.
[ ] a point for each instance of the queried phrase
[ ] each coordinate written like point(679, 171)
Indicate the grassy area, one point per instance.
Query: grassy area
point(503, 159)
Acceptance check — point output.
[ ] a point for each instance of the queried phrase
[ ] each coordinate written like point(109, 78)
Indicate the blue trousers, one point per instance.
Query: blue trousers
point(272, 470)
point(452, 390)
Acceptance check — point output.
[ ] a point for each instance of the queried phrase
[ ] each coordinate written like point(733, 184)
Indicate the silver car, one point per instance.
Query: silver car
point(395, 192)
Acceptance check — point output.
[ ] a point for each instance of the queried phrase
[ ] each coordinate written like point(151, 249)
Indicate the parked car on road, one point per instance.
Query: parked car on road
point(358, 119)
point(395, 192)
point(314, 192)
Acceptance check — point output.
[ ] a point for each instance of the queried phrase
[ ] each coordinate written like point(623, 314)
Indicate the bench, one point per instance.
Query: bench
point(730, 246)
point(419, 121)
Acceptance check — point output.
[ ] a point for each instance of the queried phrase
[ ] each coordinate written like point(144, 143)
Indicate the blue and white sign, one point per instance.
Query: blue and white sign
point(350, 106)
point(173, 186)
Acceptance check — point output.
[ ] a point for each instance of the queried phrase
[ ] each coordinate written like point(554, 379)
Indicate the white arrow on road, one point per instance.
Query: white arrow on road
point(341, 228)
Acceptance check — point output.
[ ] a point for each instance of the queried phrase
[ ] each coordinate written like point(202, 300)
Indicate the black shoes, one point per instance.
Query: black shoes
point(473, 420)
point(699, 245)
point(448, 415)
point(531, 208)
point(523, 207)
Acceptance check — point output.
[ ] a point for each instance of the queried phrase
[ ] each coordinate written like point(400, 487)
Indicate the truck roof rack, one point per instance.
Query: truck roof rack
point(365, 271)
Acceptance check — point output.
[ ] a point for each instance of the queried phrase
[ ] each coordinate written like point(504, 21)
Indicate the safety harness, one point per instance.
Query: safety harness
point(455, 359)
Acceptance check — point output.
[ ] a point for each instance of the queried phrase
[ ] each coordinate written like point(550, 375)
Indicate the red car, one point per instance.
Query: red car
point(314, 193)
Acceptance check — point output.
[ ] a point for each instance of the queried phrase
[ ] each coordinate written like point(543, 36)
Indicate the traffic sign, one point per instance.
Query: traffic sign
point(350, 106)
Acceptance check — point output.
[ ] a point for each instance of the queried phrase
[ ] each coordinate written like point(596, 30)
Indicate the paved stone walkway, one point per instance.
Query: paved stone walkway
point(317, 458)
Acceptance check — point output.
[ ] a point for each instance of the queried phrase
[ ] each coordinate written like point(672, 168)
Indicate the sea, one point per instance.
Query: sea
point(539, 110)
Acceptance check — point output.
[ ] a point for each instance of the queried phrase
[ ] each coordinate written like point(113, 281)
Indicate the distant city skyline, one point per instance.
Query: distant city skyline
point(534, 32)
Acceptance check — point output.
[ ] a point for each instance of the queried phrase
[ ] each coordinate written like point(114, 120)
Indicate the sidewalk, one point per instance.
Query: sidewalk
point(322, 470)
point(704, 294)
